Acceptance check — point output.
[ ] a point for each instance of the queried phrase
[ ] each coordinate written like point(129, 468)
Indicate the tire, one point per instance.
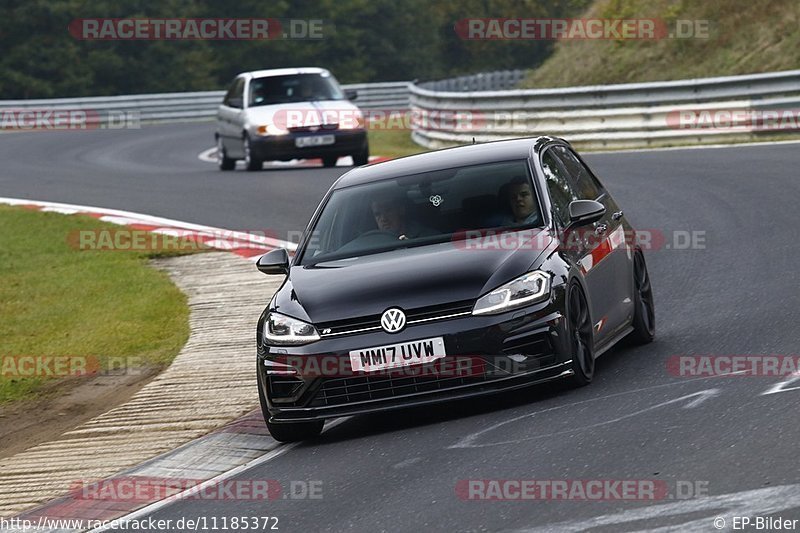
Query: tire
point(579, 333)
point(225, 162)
point(329, 161)
point(644, 317)
point(361, 158)
point(287, 432)
point(251, 162)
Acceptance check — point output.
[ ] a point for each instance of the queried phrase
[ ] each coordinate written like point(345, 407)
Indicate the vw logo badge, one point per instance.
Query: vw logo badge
point(393, 320)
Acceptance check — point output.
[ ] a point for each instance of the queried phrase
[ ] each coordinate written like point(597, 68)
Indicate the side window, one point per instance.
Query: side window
point(229, 94)
point(558, 185)
point(587, 186)
point(233, 98)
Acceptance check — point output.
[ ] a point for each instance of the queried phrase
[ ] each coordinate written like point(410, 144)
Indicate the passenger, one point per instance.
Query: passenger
point(520, 201)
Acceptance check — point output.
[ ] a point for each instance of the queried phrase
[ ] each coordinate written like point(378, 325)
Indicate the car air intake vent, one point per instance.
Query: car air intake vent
point(342, 391)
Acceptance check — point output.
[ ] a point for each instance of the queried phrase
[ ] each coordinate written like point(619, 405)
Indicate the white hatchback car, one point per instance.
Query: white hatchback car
point(285, 114)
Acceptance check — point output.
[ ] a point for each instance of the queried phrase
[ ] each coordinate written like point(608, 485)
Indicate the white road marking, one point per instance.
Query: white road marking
point(153, 507)
point(781, 387)
point(210, 156)
point(407, 462)
point(117, 216)
point(62, 210)
point(703, 396)
point(469, 440)
point(683, 513)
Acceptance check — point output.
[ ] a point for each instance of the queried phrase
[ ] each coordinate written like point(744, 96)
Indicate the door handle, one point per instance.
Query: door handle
point(617, 215)
point(600, 229)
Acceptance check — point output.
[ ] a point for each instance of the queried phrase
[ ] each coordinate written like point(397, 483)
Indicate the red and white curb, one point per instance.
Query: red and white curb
point(89, 468)
point(248, 245)
point(210, 156)
point(202, 466)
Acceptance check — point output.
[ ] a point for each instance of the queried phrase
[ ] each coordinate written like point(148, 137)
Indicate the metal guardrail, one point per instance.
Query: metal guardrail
point(608, 116)
point(178, 107)
point(386, 95)
point(500, 80)
point(604, 116)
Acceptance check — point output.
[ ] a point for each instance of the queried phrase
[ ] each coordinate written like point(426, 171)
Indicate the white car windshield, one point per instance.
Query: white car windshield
point(293, 88)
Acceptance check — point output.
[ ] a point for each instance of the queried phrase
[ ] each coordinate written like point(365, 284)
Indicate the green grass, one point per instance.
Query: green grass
point(392, 143)
point(56, 300)
point(745, 37)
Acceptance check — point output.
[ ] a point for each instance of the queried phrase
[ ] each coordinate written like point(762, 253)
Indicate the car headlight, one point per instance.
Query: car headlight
point(527, 289)
point(285, 330)
point(271, 129)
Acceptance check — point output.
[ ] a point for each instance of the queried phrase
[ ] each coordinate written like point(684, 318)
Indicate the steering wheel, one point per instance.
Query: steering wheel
point(375, 232)
point(369, 239)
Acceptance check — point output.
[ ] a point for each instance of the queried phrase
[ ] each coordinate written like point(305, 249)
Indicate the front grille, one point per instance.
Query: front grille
point(358, 389)
point(314, 129)
point(341, 391)
point(430, 313)
point(442, 374)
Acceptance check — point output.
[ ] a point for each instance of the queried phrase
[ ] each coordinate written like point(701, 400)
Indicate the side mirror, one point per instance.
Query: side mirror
point(583, 212)
point(274, 262)
point(351, 94)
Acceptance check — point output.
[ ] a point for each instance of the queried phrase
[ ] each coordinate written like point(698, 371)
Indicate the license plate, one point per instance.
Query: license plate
point(318, 140)
point(397, 355)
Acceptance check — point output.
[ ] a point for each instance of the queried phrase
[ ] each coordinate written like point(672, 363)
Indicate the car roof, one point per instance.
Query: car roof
point(472, 154)
point(283, 72)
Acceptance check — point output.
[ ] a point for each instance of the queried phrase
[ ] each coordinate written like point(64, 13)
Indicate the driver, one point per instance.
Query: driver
point(521, 201)
point(390, 214)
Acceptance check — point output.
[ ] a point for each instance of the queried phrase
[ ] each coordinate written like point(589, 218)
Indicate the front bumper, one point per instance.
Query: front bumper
point(283, 147)
point(507, 351)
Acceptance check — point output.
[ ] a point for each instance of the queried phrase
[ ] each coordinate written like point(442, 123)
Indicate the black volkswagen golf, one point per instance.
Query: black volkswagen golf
point(451, 274)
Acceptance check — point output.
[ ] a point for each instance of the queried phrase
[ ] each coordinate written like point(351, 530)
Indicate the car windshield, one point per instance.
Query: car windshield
point(293, 88)
point(422, 209)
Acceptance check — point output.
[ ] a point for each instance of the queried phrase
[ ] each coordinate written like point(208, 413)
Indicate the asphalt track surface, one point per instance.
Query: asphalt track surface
point(738, 294)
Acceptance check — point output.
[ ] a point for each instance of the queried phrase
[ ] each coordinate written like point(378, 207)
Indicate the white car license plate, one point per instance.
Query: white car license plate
point(319, 140)
point(397, 355)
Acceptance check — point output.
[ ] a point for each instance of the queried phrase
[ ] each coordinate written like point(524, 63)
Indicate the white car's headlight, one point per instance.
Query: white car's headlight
point(525, 290)
point(285, 330)
point(271, 129)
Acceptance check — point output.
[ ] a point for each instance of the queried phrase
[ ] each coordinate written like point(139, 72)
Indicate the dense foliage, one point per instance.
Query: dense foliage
point(363, 40)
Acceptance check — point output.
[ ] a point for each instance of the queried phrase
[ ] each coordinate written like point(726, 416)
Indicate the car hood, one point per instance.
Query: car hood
point(407, 278)
point(308, 113)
